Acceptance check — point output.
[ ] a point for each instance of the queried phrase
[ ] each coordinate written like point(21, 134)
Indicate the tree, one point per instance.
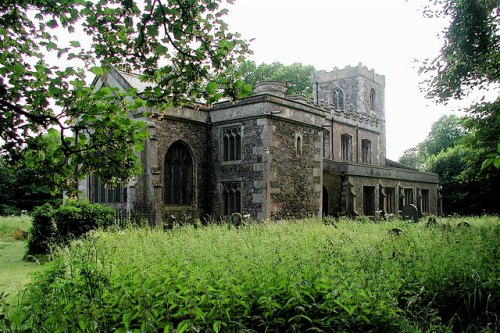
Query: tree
point(445, 133)
point(297, 76)
point(181, 47)
point(469, 61)
point(449, 151)
point(25, 183)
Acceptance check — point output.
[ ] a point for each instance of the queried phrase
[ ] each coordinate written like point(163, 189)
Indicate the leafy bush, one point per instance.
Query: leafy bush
point(43, 231)
point(76, 218)
point(73, 219)
point(274, 277)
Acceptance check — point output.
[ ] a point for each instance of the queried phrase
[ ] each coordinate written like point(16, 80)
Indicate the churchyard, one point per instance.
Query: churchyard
point(288, 276)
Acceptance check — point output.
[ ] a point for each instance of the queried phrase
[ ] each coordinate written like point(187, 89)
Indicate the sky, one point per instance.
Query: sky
point(385, 35)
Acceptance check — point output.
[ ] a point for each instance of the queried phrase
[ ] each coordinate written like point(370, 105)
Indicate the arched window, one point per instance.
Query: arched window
point(178, 175)
point(366, 151)
point(373, 99)
point(338, 98)
point(298, 145)
point(231, 144)
point(231, 197)
point(346, 146)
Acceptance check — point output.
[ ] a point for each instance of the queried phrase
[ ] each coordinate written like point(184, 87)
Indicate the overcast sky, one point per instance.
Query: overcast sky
point(384, 35)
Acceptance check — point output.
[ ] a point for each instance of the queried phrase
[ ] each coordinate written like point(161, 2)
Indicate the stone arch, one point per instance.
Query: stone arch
point(178, 171)
point(373, 99)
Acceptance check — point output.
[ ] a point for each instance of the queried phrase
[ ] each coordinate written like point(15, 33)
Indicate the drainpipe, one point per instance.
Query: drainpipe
point(357, 144)
point(209, 163)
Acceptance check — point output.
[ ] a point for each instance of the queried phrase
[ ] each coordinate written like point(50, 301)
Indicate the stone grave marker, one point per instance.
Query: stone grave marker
point(410, 213)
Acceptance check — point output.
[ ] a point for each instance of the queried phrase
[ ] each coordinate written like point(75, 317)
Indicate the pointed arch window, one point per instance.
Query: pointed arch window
point(231, 147)
point(231, 198)
point(366, 151)
point(373, 99)
point(298, 145)
point(338, 98)
point(178, 171)
point(346, 146)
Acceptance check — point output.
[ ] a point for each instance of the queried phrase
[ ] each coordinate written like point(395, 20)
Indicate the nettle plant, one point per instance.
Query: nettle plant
point(274, 277)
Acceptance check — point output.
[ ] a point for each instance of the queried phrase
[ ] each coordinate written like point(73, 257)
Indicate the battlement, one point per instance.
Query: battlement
point(348, 72)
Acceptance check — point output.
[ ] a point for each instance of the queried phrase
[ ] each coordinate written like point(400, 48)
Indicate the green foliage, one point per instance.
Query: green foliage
point(75, 218)
point(274, 277)
point(454, 150)
point(24, 184)
point(296, 76)
point(43, 233)
point(469, 61)
point(52, 227)
point(183, 48)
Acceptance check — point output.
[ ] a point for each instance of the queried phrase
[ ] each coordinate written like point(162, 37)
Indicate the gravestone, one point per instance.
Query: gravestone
point(236, 219)
point(410, 213)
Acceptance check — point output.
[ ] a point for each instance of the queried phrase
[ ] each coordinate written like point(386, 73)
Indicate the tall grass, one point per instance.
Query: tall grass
point(10, 226)
point(274, 277)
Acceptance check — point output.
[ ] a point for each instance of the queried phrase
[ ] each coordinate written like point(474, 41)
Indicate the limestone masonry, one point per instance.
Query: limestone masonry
point(272, 156)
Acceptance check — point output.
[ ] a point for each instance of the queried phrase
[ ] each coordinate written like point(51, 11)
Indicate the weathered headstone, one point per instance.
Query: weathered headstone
point(410, 213)
point(236, 219)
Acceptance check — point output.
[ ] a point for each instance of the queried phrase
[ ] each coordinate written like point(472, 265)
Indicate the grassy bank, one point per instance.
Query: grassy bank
point(14, 271)
point(275, 277)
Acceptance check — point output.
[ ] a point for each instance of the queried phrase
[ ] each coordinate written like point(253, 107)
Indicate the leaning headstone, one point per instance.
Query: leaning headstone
point(410, 213)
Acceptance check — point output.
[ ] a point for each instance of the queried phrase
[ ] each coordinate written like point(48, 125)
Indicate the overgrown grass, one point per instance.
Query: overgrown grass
point(10, 227)
point(291, 276)
point(14, 271)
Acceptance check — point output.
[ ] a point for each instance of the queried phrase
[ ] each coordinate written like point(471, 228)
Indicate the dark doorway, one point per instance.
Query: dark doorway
point(178, 175)
point(369, 200)
point(325, 201)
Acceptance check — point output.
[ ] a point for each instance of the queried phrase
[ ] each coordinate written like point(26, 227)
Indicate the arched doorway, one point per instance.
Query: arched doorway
point(325, 201)
point(178, 175)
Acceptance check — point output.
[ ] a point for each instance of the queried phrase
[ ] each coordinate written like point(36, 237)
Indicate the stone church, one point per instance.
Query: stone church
point(272, 156)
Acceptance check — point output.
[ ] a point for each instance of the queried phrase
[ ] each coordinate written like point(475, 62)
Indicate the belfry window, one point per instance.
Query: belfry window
point(231, 139)
point(373, 99)
point(366, 151)
point(338, 98)
point(346, 146)
point(231, 198)
point(178, 172)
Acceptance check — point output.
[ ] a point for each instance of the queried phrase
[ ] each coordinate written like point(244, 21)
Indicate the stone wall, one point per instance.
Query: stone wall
point(194, 135)
point(295, 172)
point(249, 171)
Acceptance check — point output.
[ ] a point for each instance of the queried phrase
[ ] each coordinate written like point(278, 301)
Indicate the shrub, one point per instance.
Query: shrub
point(43, 230)
point(71, 220)
point(76, 218)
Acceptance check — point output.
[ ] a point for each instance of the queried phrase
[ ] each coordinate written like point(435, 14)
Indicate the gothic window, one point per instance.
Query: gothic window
point(298, 145)
point(338, 98)
point(231, 138)
point(231, 198)
point(346, 146)
point(366, 151)
point(178, 172)
point(99, 193)
point(373, 99)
